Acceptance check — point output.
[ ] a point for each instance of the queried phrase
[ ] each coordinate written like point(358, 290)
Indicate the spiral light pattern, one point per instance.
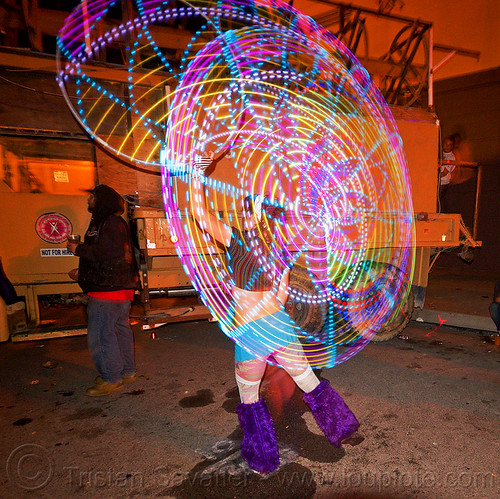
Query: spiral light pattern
point(290, 114)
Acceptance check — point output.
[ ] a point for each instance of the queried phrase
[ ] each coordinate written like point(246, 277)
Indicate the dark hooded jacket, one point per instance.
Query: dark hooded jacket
point(106, 258)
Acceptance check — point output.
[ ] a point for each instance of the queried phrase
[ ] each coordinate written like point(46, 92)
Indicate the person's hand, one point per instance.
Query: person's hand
point(71, 247)
point(203, 165)
point(73, 274)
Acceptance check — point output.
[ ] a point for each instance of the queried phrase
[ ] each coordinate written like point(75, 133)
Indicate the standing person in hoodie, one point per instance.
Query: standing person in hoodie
point(107, 273)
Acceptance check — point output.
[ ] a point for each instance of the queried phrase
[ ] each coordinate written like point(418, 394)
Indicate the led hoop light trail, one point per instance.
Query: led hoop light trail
point(292, 116)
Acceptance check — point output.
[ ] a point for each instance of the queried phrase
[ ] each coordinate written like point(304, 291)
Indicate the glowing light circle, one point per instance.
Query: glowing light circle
point(293, 116)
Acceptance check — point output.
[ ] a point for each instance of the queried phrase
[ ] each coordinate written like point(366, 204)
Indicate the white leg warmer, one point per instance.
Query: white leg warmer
point(300, 371)
point(307, 381)
point(249, 390)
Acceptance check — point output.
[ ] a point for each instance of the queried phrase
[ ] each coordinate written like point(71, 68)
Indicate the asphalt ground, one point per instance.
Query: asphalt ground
point(428, 404)
point(459, 297)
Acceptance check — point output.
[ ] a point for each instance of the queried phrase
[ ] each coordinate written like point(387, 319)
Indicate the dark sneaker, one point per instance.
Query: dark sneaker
point(103, 389)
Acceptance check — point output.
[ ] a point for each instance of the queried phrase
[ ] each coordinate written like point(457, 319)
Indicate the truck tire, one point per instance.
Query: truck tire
point(398, 322)
point(308, 315)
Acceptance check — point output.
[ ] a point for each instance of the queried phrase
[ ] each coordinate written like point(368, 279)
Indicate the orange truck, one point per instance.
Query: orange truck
point(47, 160)
point(43, 201)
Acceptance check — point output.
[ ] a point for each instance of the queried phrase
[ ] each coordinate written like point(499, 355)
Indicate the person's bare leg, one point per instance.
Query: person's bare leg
point(249, 374)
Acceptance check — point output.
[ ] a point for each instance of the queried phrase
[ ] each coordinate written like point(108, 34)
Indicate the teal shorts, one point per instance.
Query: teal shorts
point(263, 337)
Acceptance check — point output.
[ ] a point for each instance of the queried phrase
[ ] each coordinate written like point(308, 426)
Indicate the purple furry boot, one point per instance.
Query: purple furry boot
point(260, 445)
point(331, 413)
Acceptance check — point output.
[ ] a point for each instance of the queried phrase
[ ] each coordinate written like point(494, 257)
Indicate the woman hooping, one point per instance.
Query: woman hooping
point(263, 331)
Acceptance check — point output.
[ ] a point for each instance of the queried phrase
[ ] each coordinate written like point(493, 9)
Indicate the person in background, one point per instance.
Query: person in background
point(455, 168)
point(495, 312)
point(7, 291)
point(465, 168)
point(14, 306)
point(108, 274)
point(446, 169)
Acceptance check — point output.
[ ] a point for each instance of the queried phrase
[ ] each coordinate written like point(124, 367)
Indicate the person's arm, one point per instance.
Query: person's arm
point(73, 273)
point(467, 164)
point(443, 170)
point(111, 241)
point(496, 292)
point(71, 247)
point(282, 294)
point(208, 222)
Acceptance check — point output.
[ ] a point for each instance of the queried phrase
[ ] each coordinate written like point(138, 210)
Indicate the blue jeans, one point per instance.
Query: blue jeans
point(110, 338)
point(495, 314)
